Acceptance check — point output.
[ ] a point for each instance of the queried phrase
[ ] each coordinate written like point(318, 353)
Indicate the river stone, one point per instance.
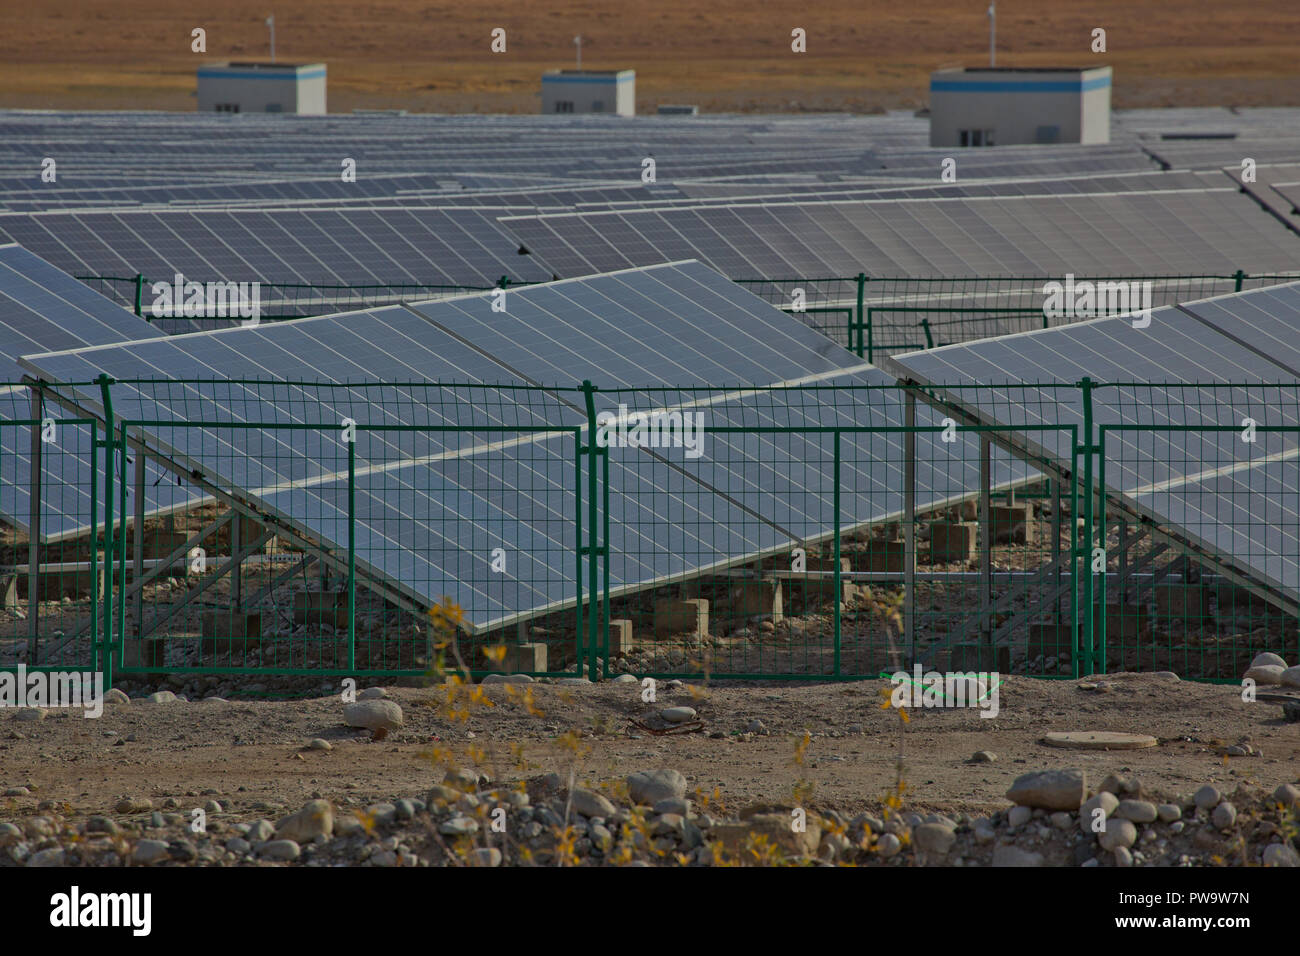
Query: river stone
point(313, 820)
point(1265, 674)
point(934, 838)
point(150, 851)
point(1015, 856)
point(280, 850)
point(1207, 797)
point(1169, 812)
point(1139, 811)
point(373, 693)
point(1266, 659)
point(1118, 833)
point(373, 715)
point(161, 697)
point(1290, 677)
point(1224, 816)
point(648, 787)
point(133, 805)
point(1279, 854)
point(115, 696)
point(1287, 794)
point(486, 856)
point(888, 845)
point(1050, 789)
point(591, 804)
point(677, 715)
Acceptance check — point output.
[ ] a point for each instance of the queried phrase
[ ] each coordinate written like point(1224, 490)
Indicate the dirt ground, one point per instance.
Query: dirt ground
point(433, 55)
point(252, 754)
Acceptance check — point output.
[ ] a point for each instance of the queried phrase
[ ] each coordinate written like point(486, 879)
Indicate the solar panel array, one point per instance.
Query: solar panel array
point(642, 328)
point(1235, 500)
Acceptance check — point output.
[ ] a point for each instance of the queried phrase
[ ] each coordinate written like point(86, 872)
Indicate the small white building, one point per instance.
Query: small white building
point(255, 87)
point(996, 106)
point(589, 91)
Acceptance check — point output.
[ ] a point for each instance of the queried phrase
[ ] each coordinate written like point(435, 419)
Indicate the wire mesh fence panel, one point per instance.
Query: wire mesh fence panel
point(1203, 532)
point(829, 305)
point(51, 569)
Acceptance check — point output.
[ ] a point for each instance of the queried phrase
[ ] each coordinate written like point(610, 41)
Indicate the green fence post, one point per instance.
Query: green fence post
point(1239, 277)
point(862, 290)
point(106, 573)
point(352, 554)
point(839, 583)
point(929, 339)
point(591, 550)
point(1089, 536)
point(139, 293)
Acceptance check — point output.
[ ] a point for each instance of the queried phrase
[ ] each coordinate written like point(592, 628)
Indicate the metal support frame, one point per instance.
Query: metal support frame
point(139, 535)
point(986, 537)
point(909, 526)
point(234, 561)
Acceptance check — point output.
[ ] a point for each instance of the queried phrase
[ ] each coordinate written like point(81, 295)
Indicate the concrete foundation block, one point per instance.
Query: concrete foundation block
point(673, 617)
point(952, 541)
point(321, 607)
point(222, 632)
point(9, 591)
point(765, 598)
point(883, 555)
point(620, 637)
point(529, 658)
point(1012, 524)
point(1183, 600)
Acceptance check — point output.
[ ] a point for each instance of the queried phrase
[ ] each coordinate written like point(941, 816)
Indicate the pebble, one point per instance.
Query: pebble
point(1279, 854)
point(1207, 797)
point(591, 804)
point(115, 696)
point(1019, 816)
point(626, 679)
point(1139, 811)
point(1123, 857)
point(1016, 856)
point(17, 792)
point(1177, 826)
point(458, 826)
point(1290, 677)
point(54, 856)
point(315, 819)
point(239, 846)
point(373, 693)
point(133, 805)
point(280, 850)
point(161, 697)
point(30, 713)
point(1224, 816)
point(677, 715)
point(320, 743)
point(1118, 833)
point(373, 715)
point(211, 807)
point(888, 845)
point(1050, 789)
point(934, 838)
point(102, 825)
point(983, 756)
point(1267, 659)
point(1062, 820)
point(486, 856)
point(259, 831)
point(675, 805)
point(150, 851)
point(1264, 674)
point(648, 787)
point(1287, 794)
point(1169, 812)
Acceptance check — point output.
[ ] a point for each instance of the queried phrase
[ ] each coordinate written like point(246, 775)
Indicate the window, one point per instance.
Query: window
point(564, 106)
point(975, 137)
point(1047, 134)
point(227, 107)
point(964, 137)
point(598, 106)
point(274, 108)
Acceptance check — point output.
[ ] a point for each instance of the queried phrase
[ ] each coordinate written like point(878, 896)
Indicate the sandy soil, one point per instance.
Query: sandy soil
point(251, 753)
point(433, 55)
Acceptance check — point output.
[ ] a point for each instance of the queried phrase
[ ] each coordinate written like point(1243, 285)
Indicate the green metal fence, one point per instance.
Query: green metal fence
point(872, 316)
point(813, 532)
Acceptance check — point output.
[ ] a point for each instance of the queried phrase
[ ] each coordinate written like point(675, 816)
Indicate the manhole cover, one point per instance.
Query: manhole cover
point(1099, 740)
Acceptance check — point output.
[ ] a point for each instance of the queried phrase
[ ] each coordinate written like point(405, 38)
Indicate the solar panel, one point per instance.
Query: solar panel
point(1175, 475)
point(42, 308)
point(421, 485)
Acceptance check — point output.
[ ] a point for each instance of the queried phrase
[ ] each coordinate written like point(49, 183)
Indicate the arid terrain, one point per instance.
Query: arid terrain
point(433, 55)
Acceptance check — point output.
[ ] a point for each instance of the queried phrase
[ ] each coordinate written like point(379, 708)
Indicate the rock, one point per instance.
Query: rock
point(458, 826)
point(239, 846)
point(115, 696)
point(1224, 815)
point(1019, 816)
point(373, 693)
point(1050, 789)
point(677, 715)
point(30, 713)
point(1267, 659)
point(405, 809)
point(1015, 856)
point(591, 804)
point(1123, 856)
point(373, 715)
point(673, 805)
point(1177, 826)
point(1265, 674)
point(1168, 812)
point(259, 831)
point(212, 807)
point(17, 792)
point(508, 679)
point(1118, 833)
point(1207, 797)
point(626, 679)
point(983, 756)
point(54, 856)
point(756, 727)
point(133, 805)
point(1280, 854)
point(320, 743)
point(463, 780)
point(150, 851)
point(1062, 820)
point(485, 856)
point(1139, 811)
point(9, 834)
point(934, 838)
point(888, 845)
point(280, 850)
point(648, 787)
point(1120, 786)
point(99, 824)
point(1290, 677)
point(161, 697)
point(315, 819)
point(1288, 795)
point(440, 793)
point(736, 838)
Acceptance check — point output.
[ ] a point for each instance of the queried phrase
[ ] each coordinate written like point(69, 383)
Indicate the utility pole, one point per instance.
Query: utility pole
point(270, 22)
point(993, 33)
